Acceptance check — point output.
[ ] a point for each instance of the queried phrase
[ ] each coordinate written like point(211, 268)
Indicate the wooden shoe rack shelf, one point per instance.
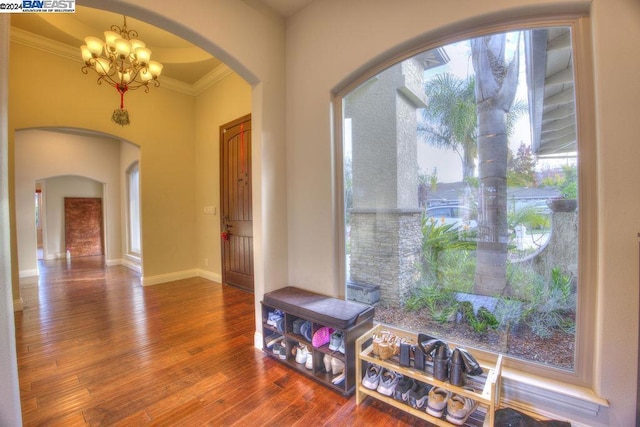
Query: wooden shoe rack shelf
point(485, 388)
point(350, 318)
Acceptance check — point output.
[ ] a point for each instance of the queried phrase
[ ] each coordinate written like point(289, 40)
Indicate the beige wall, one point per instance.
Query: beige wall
point(41, 154)
point(228, 100)
point(162, 125)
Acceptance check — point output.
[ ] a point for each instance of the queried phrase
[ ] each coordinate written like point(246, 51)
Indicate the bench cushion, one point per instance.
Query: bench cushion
point(334, 312)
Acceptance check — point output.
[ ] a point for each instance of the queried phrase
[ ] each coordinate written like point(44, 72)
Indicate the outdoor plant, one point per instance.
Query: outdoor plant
point(441, 304)
point(438, 237)
point(553, 306)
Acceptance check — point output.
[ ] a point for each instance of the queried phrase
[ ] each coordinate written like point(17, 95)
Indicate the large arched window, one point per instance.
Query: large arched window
point(468, 183)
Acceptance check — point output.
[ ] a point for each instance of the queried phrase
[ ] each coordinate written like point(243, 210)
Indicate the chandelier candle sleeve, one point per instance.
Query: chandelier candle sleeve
point(122, 61)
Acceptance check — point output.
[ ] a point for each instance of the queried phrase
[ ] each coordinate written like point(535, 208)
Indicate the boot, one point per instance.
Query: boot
point(471, 365)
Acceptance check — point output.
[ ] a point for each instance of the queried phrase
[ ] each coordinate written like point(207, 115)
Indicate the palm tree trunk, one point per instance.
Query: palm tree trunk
point(496, 84)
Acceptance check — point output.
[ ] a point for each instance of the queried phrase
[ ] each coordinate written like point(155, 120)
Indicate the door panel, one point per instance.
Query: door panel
point(236, 204)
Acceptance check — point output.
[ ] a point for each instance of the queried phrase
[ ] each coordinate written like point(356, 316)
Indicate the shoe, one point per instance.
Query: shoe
point(327, 362)
point(459, 408)
point(471, 365)
point(309, 362)
point(337, 339)
point(273, 317)
point(388, 382)
point(438, 399)
point(372, 377)
point(337, 380)
point(441, 362)
point(414, 386)
point(297, 324)
point(305, 330)
point(457, 375)
point(302, 353)
point(276, 348)
point(283, 352)
point(337, 366)
point(404, 385)
point(418, 397)
point(341, 346)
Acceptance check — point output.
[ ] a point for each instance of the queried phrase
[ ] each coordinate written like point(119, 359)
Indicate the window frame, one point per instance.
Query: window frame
point(519, 370)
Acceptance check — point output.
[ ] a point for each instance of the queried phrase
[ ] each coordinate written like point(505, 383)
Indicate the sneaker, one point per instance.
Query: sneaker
point(309, 362)
point(459, 408)
point(305, 330)
point(337, 339)
point(388, 382)
point(283, 352)
point(404, 386)
point(301, 354)
point(438, 399)
point(273, 317)
point(418, 397)
point(372, 377)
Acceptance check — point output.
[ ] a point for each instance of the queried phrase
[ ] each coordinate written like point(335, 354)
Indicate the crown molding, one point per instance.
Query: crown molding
point(67, 52)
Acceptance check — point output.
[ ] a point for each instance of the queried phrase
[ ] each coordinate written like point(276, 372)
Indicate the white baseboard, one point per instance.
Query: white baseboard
point(18, 304)
point(214, 277)
point(257, 340)
point(28, 273)
point(169, 277)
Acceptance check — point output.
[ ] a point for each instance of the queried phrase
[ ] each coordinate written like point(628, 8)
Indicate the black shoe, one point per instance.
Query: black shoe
point(418, 397)
point(429, 346)
point(405, 385)
point(457, 375)
point(441, 362)
point(471, 365)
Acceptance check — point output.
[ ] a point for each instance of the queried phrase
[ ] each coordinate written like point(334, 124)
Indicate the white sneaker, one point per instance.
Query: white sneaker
point(309, 362)
point(459, 408)
point(372, 377)
point(388, 382)
point(301, 354)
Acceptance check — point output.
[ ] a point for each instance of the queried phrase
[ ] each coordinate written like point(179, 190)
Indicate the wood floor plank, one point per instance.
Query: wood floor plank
point(96, 348)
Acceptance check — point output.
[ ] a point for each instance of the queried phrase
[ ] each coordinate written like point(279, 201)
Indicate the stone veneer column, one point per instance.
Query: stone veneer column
point(385, 220)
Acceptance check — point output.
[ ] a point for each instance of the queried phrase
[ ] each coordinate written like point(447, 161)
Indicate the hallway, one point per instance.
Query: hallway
point(96, 348)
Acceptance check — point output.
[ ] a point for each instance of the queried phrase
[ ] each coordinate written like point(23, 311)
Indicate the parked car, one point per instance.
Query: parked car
point(458, 215)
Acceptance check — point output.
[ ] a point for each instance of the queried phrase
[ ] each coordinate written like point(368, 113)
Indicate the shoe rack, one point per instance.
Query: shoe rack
point(316, 309)
point(484, 389)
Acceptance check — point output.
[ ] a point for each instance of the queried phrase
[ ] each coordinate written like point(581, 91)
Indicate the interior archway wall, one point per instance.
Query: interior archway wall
point(163, 125)
point(45, 153)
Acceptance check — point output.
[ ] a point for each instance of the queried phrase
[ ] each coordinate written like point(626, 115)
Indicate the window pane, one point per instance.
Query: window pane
point(458, 164)
point(134, 211)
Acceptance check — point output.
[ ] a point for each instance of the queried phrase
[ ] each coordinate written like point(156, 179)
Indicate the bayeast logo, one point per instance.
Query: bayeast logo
point(51, 6)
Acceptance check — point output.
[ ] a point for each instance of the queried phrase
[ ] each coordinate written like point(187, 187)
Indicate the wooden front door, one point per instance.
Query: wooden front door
point(236, 207)
point(83, 226)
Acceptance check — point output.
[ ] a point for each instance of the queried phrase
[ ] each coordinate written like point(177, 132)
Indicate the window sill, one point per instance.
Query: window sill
point(548, 398)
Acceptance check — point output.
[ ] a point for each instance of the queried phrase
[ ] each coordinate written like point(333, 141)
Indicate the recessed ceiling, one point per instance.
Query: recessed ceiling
point(182, 60)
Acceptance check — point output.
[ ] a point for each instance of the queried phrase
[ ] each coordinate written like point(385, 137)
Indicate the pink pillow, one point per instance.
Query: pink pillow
point(322, 336)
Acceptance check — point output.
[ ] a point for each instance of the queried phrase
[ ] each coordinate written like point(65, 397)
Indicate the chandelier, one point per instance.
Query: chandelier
point(123, 62)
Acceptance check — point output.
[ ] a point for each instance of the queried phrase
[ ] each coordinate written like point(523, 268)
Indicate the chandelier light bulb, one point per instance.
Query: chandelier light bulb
point(110, 38)
point(102, 66)
point(143, 55)
point(122, 48)
point(145, 75)
point(87, 56)
point(94, 45)
point(155, 68)
point(135, 44)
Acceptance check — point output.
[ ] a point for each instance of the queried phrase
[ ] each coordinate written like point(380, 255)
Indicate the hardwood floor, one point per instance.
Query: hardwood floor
point(96, 348)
